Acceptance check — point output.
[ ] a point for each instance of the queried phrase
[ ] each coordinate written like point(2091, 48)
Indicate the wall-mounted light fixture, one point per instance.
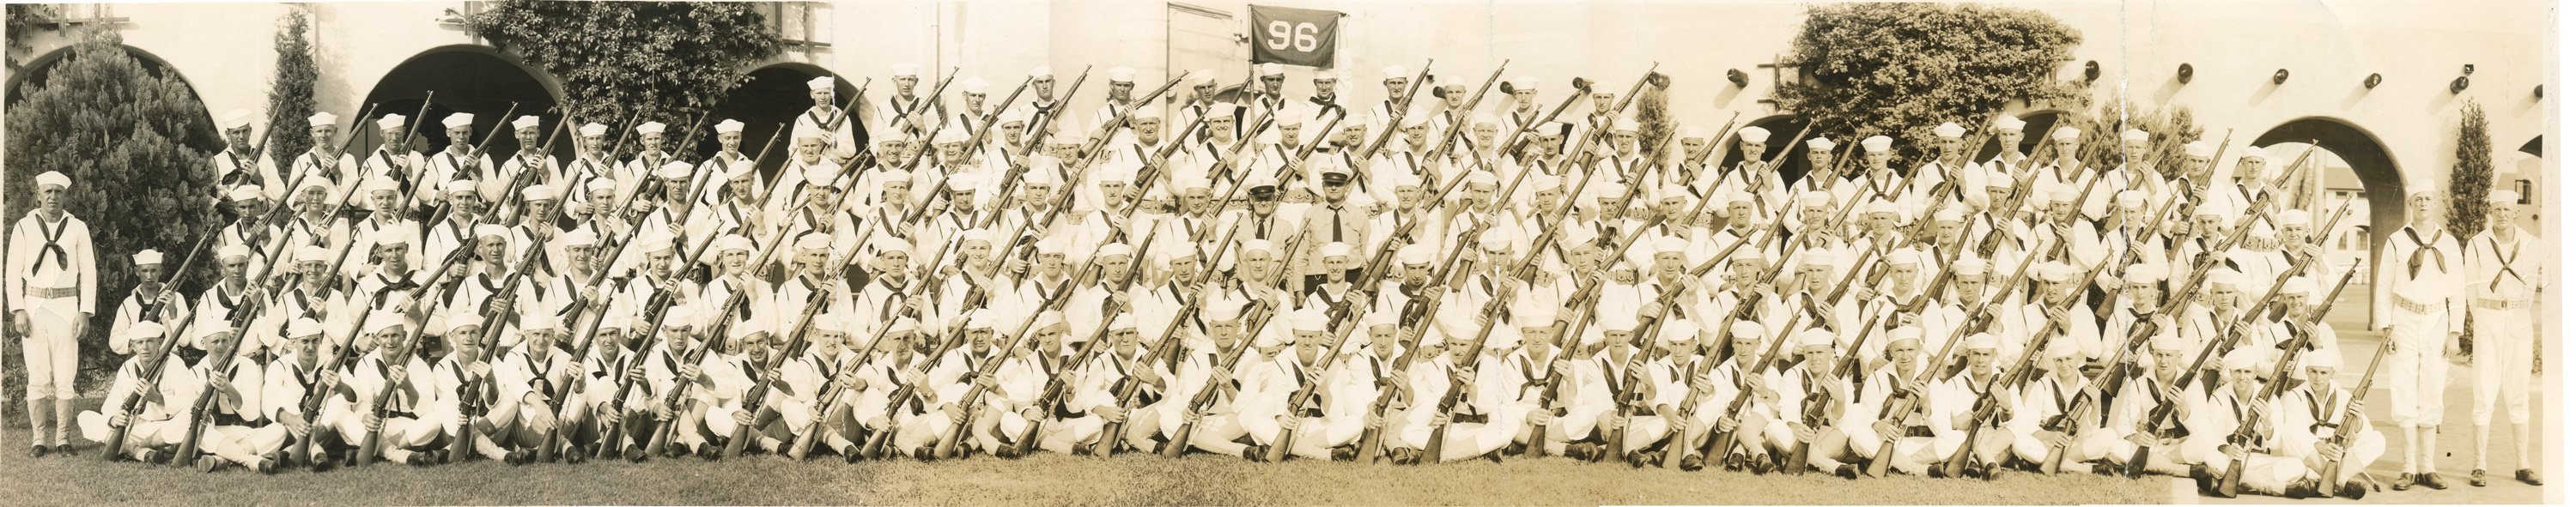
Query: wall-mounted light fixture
point(2535, 91)
point(2370, 82)
point(1737, 77)
point(2183, 73)
point(2092, 70)
point(2280, 76)
point(2458, 84)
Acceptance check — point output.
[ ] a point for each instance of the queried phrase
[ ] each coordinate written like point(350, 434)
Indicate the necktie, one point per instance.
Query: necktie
point(1337, 222)
point(53, 232)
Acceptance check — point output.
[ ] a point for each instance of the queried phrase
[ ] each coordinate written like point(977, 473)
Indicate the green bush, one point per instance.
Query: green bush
point(136, 146)
point(2167, 131)
point(1899, 69)
point(669, 60)
point(2472, 175)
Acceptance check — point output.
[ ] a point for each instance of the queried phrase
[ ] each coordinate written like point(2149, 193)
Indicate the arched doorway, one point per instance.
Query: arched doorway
point(2373, 177)
point(37, 69)
point(2034, 130)
point(468, 79)
point(767, 104)
point(1782, 127)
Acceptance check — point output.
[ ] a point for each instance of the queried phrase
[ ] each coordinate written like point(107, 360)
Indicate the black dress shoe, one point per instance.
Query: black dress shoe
point(2527, 476)
point(2352, 489)
point(710, 452)
point(268, 467)
point(66, 450)
point(1692, 463)
point(324, 462)
point(1345, 453)
point(1848, 471)
point(851, 455)
point(2404, 481)
point(1254, 453)
point(634, 455)
point(36, 451)
point(1936, 473)
point(925, 454)
point(1732, 462)
point(1406, 456)
point(1760, 465)
point(1496, 456)
point(2432, 480)
point(2478, 477)
point(1007, 452)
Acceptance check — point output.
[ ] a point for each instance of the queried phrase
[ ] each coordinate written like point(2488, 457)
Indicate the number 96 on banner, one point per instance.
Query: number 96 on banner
point(1291, 36)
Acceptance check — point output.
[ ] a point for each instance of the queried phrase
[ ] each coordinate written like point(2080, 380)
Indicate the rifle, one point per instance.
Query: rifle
point(1050, 394)
point(1396, 113)
point(1111, 433)
point(974, 143)
point(493, 322)
point(187, 450)
point(1818, 398)
point(2281, 376)
point(1582, 87)
point(724, 321)
point(1583, 150)
point(1695, 160)
point(474, 158)
point(1907, 402)
point(310, 407)
point(1986, 406)
point(948, 446)
point(2226, 340)
point(875, 443)
point(1038, 128)
point(1110, 128)
point(2350, 428)
point(1180, 441)
point(1431, 450)
point(663, 298)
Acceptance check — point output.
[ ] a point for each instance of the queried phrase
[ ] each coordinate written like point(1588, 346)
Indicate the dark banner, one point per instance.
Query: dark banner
point(1292, 36)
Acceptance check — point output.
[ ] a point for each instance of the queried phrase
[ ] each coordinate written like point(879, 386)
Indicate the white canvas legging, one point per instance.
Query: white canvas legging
point(2503, 365)
point(51, 350)
point(2417, 371)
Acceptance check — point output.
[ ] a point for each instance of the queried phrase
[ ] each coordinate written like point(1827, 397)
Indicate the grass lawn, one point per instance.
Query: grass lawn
point(1048, 479)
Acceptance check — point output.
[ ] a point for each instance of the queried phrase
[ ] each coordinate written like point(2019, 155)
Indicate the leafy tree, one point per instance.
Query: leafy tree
point(136, 146)
point(669, 60)
point(1899, 69)
point(22, 22)
point(1656, 130)
point(290, 92)
point(2472, 175)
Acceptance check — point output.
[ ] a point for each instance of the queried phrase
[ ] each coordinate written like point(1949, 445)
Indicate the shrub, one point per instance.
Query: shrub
point(1899, 69)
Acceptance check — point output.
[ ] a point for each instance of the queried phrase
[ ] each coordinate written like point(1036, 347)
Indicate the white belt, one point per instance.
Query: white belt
point(2412, 306)
point(2502, 304)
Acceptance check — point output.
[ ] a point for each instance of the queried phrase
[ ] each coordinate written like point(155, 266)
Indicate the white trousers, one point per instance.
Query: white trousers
point(2503, 365)
point(2417, 371)
point(51, 350)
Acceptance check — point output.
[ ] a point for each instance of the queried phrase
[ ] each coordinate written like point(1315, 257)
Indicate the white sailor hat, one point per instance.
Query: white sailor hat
point(1623, 124)
point(2244, 358)
point(1331, 250)
point(1202, 77)
point(580, 237)
point(1273, 69)
point(1882, 205)
point(594, 130)
point(1904, 257)
point(1307, 319)
point(2422, 185)
point(1949, 130)
point(457, 120)
point(2324, 359)
point(2166, 340)
point(975, 84)
point(1947, 215)
point(1815, 337)
point(2141, 274)
point(238, 118)
point(2133, 135)
point(2503, 196)
point(1417, 253)
point(1967, 265)
point(675, 170)
point(491, 231)
point(1042, 71)
point(1524, 83)
point(1813, 198)
point(1495, 239)
point(2008, 122)
point(678, 317)
point(147, 257)
point(537, 192)
point(53, 178)
point(2061, 192)
point(322, 119)
point(526, 122)
point(2197, 149)
point(1395, 72)
point(907, 69)
point(1984, 341)
point(1693, 132)
point(390, 122)
point(1753, 134)
point(303, 326)
point(1875, 144)
point(728, 126)
point(1819, 145)
point(650, 127)
point(1122, 74)
point(1745, 329)
point(819, 83)
point(2060, 348)
point(2056, 271)
point(1669, 244)
point(2133, 198)
point(312, 253)
point(732, 242)
point(2065, 134)
point(1679, 331)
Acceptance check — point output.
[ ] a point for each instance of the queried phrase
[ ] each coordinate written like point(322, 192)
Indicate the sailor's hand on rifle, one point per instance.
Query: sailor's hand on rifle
point(689, 372)
point(478, 369)
point(398, 376)
point(2234, 451)
point(661, 412)
point(986, 382)
point(2057, 314)
point(1887, 431)
point(374, 422)
point(608, 413)
point(2055, 438)
point(1763, 390)
point(542, 420)
point(1699, 386)
point(1864, 293)
point(2162, 321)
point(1561, 368)
point(119, 420)
point(1015, 266)
point(2330, 450)
point(294, 423)
point(1907, 318)
point(953, 411)
point(456, 271)
point(1541, 416)
point(1462, 376)
point(1804, 433)
point(635, 373)
point(1111, 414)
point(590, 293)
point(1727, 424)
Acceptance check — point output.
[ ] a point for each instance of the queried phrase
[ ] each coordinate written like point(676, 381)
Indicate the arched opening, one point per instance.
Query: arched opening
point(38, 69)
point(767, 105)
point(1781, 127)
point(2354, 165)
point(2034, 130)
point(466, 79)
